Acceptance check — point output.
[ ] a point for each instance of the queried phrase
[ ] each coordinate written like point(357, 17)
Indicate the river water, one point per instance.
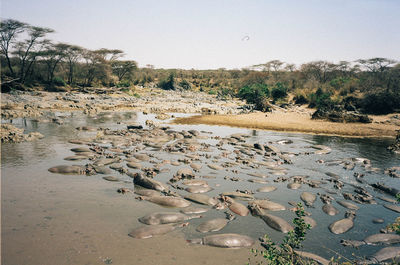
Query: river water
point(70, 219)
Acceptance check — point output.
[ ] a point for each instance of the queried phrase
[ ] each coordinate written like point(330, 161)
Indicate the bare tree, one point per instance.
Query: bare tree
point(72, 54)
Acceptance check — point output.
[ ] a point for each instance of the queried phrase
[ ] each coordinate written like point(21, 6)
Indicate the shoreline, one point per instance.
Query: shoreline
point(295, 122)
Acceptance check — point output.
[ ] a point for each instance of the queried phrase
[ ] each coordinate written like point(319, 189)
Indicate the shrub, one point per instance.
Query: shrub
point(381, 102)
point(279, 91)
point(168, 83)
point(284, 254)
point(125, 83)
point(300, 99)
point(58, 81)
point(256, 94)
point(185, 85)
point(321, 100)
point(212, 92)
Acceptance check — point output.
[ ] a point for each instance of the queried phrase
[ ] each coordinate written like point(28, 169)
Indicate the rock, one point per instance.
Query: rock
point(11, 134)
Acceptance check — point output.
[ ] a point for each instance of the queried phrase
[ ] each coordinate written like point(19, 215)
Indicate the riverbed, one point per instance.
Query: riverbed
point(76, 219)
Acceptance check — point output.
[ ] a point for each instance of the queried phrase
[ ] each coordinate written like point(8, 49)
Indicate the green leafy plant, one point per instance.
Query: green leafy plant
point(168, 83)
point(284, 253)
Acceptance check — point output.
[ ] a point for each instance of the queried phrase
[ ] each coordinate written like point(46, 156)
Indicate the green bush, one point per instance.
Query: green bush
point(320, 100)
point(212, 92)
point(185, 85)
point(125, 83)
point(279, 91)
point(256, 94)
point(382, 102)
point(300, 99)
point(284, 254)
point(168, 83)
point(58, 81)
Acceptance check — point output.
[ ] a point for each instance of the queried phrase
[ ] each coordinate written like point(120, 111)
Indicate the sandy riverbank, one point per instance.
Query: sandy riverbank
point(299, 120)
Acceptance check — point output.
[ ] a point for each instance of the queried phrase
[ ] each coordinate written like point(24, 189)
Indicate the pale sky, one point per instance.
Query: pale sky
point(207, 34)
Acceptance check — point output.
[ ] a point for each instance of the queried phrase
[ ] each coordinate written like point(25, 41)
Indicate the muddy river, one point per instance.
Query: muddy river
point(49, 218)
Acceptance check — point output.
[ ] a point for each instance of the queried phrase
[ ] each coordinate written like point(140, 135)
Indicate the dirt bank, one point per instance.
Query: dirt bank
point(298, 119)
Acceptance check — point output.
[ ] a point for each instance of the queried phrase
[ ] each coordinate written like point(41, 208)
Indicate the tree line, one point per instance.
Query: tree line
point(30, 59)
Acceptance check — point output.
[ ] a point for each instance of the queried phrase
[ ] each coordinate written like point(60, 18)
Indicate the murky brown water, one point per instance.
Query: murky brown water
point(57, 219)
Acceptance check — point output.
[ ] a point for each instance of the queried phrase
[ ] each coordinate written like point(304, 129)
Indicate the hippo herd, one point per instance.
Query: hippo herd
point(179, 169)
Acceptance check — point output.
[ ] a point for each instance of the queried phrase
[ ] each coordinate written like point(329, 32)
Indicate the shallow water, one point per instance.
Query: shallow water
point(58, 219)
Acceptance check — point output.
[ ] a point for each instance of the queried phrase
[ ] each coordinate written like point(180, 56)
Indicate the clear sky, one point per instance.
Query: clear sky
point(208, 34)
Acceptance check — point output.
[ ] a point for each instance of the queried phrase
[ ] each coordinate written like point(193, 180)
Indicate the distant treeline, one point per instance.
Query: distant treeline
point(29, 60)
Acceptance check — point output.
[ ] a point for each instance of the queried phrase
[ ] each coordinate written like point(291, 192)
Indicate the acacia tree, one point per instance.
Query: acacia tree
point(123, 68)
point(9, 30)
point(52, 56)
point(28, 49)
point(72, 54)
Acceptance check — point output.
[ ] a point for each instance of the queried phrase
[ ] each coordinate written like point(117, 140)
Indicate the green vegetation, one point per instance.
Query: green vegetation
point(29, 59)
point(284, 253)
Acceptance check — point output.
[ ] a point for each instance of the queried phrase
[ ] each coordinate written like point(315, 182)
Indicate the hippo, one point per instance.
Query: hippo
point(224, 241)
point(316, 258)
point(343, 225)
point(195, 182)
point(75, 157)
point(268, 205)
point(382, 239)
point(385, 254)
point(294, 186)
point(392, 207)
point(266, 189)
point(348, 205)
point(308, 220)
point(146, 192)
point(168, 201)
point(201, 199)
point(80, 150)
point(153, 230)
point(134, 165)
point(198, 189)
point(215, 167)
point(165, 218)
point(236, 207)
point(149, 183)
point(193, 210)
point(274, 222)
point(195, 166)
point(105, 161)
point(101, 169)
point(212, 225)
point(141, 157)
point(238, 195)
point(308, 198)
point(111, 178)
point(329, 209)
point(64, 169)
